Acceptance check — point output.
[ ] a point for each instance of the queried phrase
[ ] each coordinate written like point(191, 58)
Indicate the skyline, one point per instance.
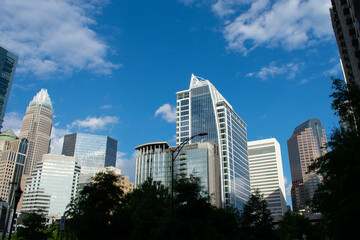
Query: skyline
point(272, 60)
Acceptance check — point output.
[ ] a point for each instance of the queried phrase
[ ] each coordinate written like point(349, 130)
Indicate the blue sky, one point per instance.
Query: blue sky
point(113, 67)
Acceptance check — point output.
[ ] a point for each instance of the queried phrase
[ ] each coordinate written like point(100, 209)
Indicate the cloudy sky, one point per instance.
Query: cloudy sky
point(113, 67)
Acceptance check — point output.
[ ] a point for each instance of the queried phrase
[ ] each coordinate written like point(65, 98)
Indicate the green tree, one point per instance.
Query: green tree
point(337, 197)
point(146, 211)
point(256, 219)
point(34, 227)
point(293, 225)
point(196, 218)
point(91, 214)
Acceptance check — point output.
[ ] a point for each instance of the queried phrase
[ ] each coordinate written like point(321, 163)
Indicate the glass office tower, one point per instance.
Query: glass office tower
point(198, 159)
point(307, 143)
point(92, 151)
point(8, 62)
point(203, 109)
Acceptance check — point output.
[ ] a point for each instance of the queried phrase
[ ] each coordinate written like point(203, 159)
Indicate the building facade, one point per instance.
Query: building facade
point(36, 127)
point(52, 185)
point(92, 151)
point(12, 161)
point(307, 143)
point(266, 174)
point(198, 159)
point(8, 62)
point(345, 17)
point(203, 109)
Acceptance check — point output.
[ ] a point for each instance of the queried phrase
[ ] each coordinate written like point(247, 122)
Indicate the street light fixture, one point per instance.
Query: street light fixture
point(18, 193)
point(173, 158)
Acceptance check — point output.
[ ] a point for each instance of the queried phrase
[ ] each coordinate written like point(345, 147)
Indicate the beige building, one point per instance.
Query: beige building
point(307, 143)
point(36, 127)
point(124, 181)
point(12, 160)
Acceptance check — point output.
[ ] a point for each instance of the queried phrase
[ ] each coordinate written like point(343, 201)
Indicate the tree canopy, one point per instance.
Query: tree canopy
point(337, 197)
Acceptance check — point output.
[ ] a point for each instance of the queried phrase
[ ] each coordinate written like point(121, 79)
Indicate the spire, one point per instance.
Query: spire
point(42, 98)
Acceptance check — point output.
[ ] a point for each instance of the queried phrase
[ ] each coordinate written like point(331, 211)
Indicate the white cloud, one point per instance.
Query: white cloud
point(291, 24)
point(127, 165)
point(287, 189)
point(93, 123)
point(266, 72)
point(106, 107)
point(13, 121)
point(57, 139)
point(303, 81)
point(54, 36)
point(167, 112)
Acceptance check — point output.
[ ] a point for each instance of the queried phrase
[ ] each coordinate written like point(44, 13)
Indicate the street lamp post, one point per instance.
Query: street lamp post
point(18, 193)
point(173, 157)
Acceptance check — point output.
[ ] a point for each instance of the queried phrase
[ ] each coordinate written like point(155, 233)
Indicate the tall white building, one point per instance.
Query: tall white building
point(201, 109)
point(266, 174)
point(36, 127)
point(51, 185)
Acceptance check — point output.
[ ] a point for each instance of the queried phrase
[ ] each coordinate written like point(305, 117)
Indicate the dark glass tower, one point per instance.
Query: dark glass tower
point(307, 143)
point(92, 152)
point(8, 62)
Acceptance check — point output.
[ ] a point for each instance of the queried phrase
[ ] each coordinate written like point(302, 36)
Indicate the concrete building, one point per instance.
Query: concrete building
point(8, 62)
point(201, 109)
point(36, 127)
point(92, 152)
point(52, 185)
point(200, 159)
point(345, 18)
point(266, 174)
point(307, 143)
point(13, 153)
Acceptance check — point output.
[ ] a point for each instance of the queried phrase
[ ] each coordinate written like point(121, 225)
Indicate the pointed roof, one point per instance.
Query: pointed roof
point(8, 135)
point(42, 98)
point(199, 82)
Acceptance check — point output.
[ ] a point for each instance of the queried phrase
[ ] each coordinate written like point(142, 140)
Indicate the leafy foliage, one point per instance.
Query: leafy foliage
point(256, 219)
point(337, 197)
point(91, 214)
point(293, 225)
point(34, 227)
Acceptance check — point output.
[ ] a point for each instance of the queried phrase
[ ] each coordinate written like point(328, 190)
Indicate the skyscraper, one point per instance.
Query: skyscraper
point(345, 17)
point(266, 174)
point(203, 109)
point(51, 185)
point(92, 151)
point(198, 159)
point(307, 143)
point(36, 127)
point(8, 62)
point(12, 160)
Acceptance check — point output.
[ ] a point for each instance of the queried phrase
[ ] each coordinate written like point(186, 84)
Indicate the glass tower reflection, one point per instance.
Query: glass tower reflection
point(92, 151)
point(203, 109)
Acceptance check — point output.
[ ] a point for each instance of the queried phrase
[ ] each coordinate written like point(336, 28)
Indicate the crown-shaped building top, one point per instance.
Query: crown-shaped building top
point(42, 98)
point(199, 82)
